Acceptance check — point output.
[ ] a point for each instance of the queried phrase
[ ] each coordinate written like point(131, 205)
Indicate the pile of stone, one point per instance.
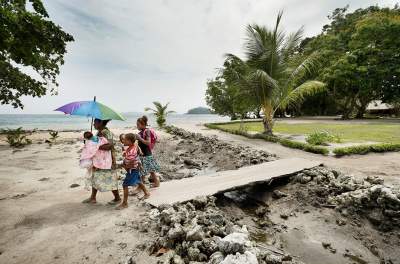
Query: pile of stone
point(210, 146)
point(367, 197)
point(198, 232)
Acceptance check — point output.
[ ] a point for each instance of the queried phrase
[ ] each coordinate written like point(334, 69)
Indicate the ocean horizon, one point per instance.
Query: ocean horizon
point(67, 122)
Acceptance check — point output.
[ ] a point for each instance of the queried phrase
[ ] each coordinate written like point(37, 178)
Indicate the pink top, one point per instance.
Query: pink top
point(131, 154)
point(101, 158)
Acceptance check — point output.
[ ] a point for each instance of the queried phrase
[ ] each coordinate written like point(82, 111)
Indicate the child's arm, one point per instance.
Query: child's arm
point(139, 150)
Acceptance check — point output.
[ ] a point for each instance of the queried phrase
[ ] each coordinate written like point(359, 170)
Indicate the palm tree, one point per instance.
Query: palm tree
point(160, 112)
point(278, 76)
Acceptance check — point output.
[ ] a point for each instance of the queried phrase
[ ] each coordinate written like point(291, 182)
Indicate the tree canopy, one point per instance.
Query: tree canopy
point(29, 42)
point(271, 75)
point(361, 59)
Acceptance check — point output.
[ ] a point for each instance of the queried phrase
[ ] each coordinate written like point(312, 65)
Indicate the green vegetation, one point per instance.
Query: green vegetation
point(351, 132)
point(199, 111)
point(364, 149)
point(360, 60)
point(285, 142)
point(160, 112)
point(53, 135)
point(322, 138)
point(270, 77)
point(351, 63)
point(16, 137)
point(386, 133)
point(29, 39)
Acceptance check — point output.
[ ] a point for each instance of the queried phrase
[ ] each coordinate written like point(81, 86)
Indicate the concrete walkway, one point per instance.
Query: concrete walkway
point(186, 189)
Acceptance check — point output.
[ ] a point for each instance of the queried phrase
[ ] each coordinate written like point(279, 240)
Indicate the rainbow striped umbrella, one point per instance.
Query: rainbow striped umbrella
point(90, 109)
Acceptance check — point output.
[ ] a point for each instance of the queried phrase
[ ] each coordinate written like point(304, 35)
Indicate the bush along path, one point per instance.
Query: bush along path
point(339, 151)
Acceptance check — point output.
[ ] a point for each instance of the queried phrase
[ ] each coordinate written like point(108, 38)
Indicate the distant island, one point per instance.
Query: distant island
point(199, 111)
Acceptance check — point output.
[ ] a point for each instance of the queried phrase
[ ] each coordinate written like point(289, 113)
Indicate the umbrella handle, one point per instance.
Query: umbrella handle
point(91, 123)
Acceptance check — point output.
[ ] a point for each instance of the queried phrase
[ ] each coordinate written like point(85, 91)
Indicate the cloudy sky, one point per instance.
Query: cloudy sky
point(131, 52)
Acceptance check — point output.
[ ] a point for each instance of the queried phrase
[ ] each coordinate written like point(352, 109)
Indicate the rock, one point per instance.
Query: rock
point(154, 214)
point(195, 233)
point(166, 215)
point(245, 258)
point(284, 216)
point(176, 233)
point(74, 185)
point(208, 246)
point(199, 202)
point(176, 259)
point(193, 253)
point(261, 211)
point(278, 194)
point(44, 179)
point(216, 258)
point(130, 260)
point(326, 244)
point(340, 222)
point(273, 259)
point(122, 245)
point(232, 243)
point(374, 180)
point(191, 163)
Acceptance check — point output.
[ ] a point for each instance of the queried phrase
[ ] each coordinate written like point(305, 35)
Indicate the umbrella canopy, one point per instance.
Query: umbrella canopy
point(90, 109)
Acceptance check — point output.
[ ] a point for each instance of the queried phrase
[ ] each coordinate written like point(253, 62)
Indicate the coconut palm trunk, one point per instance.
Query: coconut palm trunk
point(268, 120)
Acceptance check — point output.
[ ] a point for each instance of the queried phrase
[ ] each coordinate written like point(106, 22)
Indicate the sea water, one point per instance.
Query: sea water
point(67, 122)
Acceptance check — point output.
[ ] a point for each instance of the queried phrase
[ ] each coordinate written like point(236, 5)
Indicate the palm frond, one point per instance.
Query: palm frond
point(304, 70)
point(291, 42)
point(149, 109)
point(263, 80)
point(297, 95)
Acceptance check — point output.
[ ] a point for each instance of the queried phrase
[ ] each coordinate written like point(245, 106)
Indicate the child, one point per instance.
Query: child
point(132, 171)
point(91, 157)
point(147, 139)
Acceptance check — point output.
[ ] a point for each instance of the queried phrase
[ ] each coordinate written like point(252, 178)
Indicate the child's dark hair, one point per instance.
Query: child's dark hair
point(88, 135)
point(121, 137)
point(130, 137)
point(143, 120)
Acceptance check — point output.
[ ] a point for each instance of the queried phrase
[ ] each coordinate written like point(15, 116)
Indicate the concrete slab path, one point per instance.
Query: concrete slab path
point(187, 189)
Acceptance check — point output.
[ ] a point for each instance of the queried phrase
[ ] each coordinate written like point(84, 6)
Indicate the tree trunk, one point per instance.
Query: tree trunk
point(362, 108)
point(268, 121)
point(268, 125)
point(361, 111)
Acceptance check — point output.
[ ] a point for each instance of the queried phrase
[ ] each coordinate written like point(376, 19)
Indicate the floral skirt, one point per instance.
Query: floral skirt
point(102, 180)
point(149, 165)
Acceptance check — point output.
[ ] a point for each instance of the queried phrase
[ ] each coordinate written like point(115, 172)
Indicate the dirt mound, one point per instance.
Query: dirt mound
point(187, 154)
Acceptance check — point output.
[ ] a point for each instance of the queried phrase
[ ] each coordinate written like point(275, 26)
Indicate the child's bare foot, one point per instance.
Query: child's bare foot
point(145, 196)
point(113, 202)
point(89, 201)
point(121, 206)
point(135, 191)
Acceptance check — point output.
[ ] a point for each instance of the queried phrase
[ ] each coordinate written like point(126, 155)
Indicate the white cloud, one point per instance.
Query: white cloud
point(130, 53)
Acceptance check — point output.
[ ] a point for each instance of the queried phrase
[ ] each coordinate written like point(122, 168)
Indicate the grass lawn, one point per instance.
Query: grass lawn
point(376, 132)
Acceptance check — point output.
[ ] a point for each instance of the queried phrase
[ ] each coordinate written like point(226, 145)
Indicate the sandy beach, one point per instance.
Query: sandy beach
point(44, 221)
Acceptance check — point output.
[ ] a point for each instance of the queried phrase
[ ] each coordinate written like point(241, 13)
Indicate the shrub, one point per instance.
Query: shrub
point(53, 135)
point(17, 137)
point(304, 146)
point(364, 149)
point(322, 138)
